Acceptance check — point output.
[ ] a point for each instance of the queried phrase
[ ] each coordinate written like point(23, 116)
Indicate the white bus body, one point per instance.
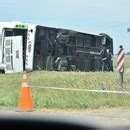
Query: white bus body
point(12, 57)
point(30, 47)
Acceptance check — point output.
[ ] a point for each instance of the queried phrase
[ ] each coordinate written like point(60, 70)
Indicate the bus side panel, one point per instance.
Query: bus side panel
point(29, 57)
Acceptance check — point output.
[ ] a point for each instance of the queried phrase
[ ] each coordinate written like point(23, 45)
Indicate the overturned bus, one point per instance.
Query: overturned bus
point(26, 46)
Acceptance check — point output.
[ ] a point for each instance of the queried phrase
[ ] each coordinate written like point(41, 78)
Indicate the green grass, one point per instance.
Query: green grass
point(82, 80)
point(78, 100)
point(45, 98)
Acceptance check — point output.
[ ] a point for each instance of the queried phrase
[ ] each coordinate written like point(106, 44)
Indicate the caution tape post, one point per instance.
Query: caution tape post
point(120, 65)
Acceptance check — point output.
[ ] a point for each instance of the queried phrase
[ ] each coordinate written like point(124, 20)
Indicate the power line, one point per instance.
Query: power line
point(117, 24)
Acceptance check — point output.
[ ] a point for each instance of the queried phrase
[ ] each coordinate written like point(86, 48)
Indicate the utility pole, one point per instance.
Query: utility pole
point(128, 29)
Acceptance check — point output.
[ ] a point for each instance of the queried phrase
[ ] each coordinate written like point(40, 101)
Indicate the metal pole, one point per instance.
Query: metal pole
point(121, 78)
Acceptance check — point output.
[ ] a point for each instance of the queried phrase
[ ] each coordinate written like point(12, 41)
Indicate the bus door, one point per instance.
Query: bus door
point(13, 54)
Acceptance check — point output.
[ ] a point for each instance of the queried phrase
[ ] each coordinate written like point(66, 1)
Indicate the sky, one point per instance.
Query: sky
point(89, 16)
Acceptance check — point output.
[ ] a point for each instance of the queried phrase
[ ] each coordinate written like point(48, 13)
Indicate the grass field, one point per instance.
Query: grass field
point(46, 98)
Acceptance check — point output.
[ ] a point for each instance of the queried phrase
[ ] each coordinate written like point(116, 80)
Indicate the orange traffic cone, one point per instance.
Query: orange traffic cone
point(25, 100)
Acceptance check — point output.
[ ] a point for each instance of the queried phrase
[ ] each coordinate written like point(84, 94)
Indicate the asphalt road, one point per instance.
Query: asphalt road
point(100, 117)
